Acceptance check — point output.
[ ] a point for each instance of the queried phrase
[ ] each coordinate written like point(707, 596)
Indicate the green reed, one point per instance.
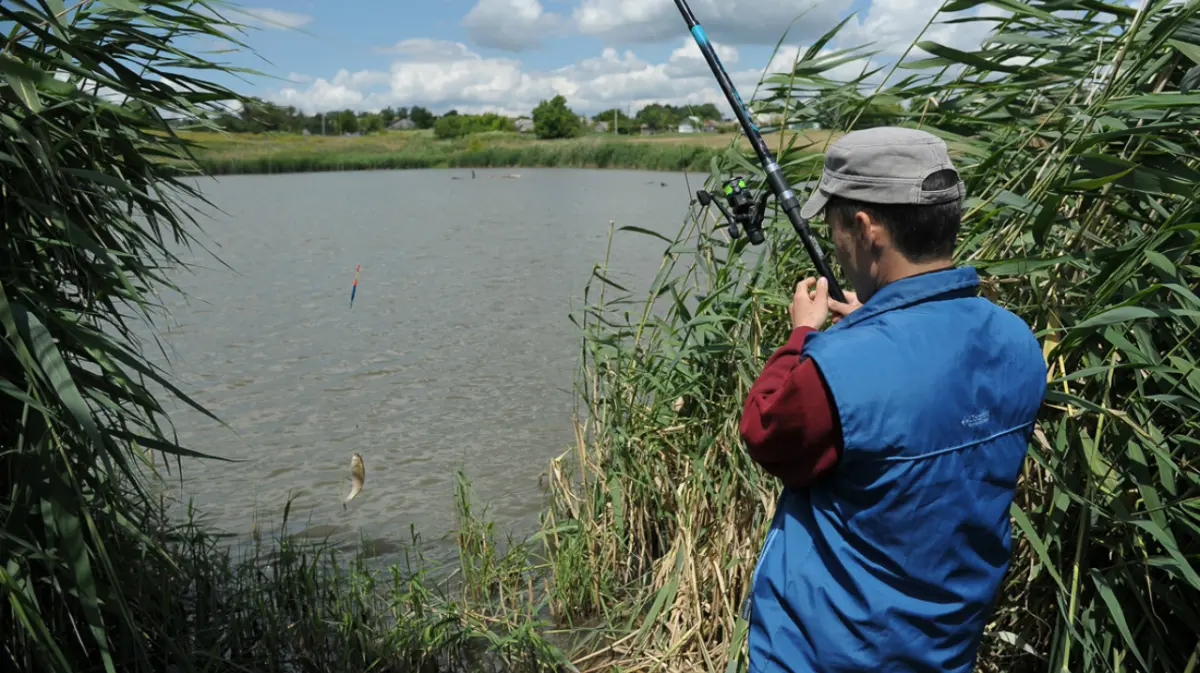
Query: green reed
point(221, 156)
point(93, 575)
point(1080, 156)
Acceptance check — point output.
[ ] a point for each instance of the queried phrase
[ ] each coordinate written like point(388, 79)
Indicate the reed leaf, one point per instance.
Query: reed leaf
point(1074, 128)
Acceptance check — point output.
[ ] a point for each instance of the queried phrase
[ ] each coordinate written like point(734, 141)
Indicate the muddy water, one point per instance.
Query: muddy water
point(457, 355)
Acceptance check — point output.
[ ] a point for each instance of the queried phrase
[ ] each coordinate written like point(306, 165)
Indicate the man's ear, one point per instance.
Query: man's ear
point(870, 232)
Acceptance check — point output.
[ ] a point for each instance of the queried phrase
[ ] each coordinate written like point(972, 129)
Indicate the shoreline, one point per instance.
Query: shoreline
point(219, 154)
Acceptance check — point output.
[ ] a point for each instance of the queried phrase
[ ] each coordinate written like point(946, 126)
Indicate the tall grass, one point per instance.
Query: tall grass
point(1075, 126)
point(86, 215)
point(278, 605)
point(93, 576)
point(270, 153)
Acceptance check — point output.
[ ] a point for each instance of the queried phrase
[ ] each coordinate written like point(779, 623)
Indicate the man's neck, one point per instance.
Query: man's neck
point(902, 268)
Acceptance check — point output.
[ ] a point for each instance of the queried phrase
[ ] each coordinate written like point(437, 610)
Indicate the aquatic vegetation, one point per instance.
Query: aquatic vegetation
point(1075, 130)
point(244, 153)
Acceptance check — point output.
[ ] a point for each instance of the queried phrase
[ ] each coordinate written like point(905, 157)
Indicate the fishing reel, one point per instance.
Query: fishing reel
point(742, 208)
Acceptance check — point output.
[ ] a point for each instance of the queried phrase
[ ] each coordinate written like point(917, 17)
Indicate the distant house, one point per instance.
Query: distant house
point(524, 125)
point(689, 125)
point(402, 125)
point(601, 126)
point(646, 130)
point(710, 126)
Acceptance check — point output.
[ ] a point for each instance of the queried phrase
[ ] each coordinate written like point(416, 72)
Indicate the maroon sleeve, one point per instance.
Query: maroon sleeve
point(790, 422)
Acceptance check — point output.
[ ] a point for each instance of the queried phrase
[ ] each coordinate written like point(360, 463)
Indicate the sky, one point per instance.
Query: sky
point(507, 55)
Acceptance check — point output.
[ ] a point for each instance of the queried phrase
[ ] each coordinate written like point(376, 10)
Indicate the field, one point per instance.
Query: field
point(230, 153)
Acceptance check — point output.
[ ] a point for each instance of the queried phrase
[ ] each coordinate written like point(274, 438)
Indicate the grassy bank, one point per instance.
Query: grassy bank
point(289, 153)
point(277, 605)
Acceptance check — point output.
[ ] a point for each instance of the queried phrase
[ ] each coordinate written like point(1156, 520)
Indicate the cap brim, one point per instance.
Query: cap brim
point(814, 205)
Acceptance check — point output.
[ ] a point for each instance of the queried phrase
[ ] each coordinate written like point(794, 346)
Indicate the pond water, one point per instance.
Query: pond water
point(458, 353)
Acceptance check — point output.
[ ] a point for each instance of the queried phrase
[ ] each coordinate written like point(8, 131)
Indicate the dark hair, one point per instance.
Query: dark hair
point(921, 233)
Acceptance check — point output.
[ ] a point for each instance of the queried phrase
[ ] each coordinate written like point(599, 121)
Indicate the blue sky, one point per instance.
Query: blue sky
point(506, 55)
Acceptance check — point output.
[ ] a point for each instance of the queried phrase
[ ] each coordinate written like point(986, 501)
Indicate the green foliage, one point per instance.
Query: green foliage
point(1080, 157)
point(88, 218)
point(423, 118)
point(260, 116)
point(617, 120)
point(661, 117)
point(279, 604)
point(459, 126)
point(93, 577)
point(579, 153)
point(553, 119)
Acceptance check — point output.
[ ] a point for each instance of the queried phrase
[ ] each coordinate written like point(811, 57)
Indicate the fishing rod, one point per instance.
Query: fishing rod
point(747, 210)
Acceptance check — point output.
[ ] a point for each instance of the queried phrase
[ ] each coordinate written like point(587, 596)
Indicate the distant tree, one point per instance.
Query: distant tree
point(451, 126)
point(347, 122)
point(370, 122)
point(706, 111)
point(658, 117)
point(423, 118)
point(459, 125)
point(625, 123)
point(260, 116)
point(553, 119)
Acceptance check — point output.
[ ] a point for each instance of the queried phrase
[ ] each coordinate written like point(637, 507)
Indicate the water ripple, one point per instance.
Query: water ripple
point(457, 354)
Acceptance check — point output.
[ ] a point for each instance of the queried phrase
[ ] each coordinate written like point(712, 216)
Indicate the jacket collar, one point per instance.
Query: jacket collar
point(913, 290)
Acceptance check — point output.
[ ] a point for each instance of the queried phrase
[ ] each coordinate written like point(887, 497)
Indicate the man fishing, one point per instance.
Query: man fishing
point(898, 432)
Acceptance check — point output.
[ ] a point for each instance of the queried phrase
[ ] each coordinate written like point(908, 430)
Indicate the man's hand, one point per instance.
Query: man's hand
point(810, 309)
point(841, 310)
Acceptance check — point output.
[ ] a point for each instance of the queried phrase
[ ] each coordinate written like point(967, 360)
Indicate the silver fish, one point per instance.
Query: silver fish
point(358, 475)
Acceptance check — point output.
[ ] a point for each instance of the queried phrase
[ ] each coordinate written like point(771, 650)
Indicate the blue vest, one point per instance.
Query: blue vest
point(892, 562)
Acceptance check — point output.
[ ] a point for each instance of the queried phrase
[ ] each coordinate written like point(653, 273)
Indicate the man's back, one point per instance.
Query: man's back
point(891, 562)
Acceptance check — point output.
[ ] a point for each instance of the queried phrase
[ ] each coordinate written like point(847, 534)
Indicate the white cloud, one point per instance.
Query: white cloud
point(321, 96)
point(441, 75)
point(425, 49)
point(512, 25)
point(274, 18)
point(730, 21)
point(688, 61)
point(363, 79)
point(892, 25)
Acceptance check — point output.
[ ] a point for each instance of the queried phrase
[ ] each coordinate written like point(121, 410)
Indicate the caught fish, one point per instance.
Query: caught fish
point(358, 475)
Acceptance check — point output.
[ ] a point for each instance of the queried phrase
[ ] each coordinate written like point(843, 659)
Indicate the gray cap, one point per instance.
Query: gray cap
point(885, 165)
